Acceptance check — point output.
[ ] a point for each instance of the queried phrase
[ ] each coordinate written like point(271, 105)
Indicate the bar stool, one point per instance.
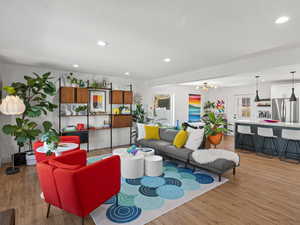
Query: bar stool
point(245, 131)
point(291, 136)
point(267, 133)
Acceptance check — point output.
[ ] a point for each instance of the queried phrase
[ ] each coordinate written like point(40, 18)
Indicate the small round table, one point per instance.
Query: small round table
point(62, 147)
point(132, 166)
point(153, 165)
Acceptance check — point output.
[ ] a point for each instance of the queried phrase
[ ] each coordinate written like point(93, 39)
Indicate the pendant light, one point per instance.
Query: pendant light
point(293, 96)
point(256, 96)
point(12, 105)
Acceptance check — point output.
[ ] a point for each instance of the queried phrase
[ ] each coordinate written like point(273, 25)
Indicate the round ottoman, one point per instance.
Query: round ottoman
point(132, 167)
point(153, 165)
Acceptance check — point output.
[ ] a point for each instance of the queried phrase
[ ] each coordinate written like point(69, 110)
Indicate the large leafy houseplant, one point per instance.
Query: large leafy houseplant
point(214, 128)
point(50, 137)
point(34, 92)
point(139, 114)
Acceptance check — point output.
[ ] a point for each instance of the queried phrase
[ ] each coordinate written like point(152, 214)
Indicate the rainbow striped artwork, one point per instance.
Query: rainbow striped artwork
point(98, 101)
point(194, 108)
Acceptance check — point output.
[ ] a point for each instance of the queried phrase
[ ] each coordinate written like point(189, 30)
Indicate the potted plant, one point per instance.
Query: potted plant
point(214, 128)
point(35, 93)
point(50, 137)
point(139, 114)
point(81, 110)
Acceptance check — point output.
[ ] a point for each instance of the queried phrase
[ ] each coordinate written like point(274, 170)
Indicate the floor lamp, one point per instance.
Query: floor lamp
point(12, 105)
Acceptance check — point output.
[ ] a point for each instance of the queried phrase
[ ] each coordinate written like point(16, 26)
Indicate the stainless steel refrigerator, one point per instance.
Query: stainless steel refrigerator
point(285, 110)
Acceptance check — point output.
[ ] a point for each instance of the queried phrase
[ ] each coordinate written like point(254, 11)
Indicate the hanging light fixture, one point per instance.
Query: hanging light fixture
point(12, 105)
point(205, 86)
point(256, 96)
point(293, 96)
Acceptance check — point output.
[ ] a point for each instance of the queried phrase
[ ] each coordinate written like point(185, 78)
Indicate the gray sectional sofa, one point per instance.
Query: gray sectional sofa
point(167, 150)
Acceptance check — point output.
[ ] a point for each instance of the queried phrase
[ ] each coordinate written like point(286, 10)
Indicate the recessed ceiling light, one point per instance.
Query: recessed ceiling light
point(127, 73)
point(282, 19)
point(102, 43)
point(76, 65)
point(167, 60)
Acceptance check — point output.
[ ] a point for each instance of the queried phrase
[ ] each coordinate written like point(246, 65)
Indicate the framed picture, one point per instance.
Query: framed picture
point(98, 101)
point(194, 108)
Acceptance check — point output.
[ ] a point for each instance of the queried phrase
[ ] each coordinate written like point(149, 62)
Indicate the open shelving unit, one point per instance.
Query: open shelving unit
point(69, 95)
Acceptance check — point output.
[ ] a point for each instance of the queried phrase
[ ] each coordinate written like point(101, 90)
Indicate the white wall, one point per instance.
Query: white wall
point(178, 93)
point(98, 139)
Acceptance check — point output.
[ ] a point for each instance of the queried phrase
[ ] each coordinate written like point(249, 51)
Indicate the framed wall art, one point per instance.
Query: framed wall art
point(97, 101)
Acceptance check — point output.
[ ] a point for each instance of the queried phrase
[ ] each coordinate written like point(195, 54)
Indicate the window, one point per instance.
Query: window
point(243, 106)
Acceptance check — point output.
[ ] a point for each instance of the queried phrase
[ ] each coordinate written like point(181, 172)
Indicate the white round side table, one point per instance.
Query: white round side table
point(132, 167)
point(153, 165)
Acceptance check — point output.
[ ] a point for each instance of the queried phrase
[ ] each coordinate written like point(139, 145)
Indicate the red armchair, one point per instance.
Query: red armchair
point(42, 156)
point(69, 184)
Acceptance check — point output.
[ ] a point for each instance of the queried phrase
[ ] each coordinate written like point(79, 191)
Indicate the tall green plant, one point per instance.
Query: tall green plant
point(34, 93)
point(139, 114)
point(214, 124)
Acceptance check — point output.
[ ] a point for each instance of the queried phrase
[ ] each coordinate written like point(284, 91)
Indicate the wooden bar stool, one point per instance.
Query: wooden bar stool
point(267, 133)
point(243, 132)
point(291, 136)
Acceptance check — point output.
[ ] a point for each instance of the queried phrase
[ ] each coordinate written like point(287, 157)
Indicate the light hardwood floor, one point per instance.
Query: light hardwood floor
point(264, 191)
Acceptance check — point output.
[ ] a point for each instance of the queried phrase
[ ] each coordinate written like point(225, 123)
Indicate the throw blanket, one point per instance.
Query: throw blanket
point(207, 156)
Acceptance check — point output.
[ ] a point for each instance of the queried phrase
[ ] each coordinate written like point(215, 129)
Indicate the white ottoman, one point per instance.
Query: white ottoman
point(153, 165)
point(132, 167)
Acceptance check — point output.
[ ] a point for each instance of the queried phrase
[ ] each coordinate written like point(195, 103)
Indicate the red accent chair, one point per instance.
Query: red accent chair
point(68, 183)
point(42, 156)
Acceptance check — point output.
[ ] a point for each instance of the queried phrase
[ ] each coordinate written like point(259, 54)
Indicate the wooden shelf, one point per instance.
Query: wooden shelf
point(99, 89)
point(85, 130)
point(104, 114)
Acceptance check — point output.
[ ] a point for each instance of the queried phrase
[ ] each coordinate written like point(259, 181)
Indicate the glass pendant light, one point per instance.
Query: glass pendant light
point(256, 96)
point(293, 96)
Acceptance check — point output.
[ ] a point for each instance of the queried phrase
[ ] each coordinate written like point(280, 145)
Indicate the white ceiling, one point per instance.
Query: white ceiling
point(278, 74)
point(193, 33)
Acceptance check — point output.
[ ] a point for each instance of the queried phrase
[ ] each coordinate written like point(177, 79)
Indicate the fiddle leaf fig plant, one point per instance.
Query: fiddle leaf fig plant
point(34, 92)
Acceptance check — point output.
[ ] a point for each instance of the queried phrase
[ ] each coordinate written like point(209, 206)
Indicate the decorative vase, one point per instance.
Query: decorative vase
point(215, 139)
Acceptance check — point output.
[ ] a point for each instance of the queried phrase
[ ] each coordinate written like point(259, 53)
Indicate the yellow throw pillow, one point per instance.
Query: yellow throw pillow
point(180, 139)
point(152, 132)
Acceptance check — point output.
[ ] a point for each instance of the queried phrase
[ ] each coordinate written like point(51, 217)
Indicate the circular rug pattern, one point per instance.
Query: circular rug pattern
point(204, 178)
point(170, 192)
point(148, 191)
point(184, 170)
point(173, 181)
point(123, 214)
point(170, 168)
point(111, 200)
point(185, 175)
point(170, 164)
point(126, 200)
point(152, 181)
point(148, 203)
point(134, 181)
point(129, 189)
point(172, 174)
point(97, 158)
point(190, 185)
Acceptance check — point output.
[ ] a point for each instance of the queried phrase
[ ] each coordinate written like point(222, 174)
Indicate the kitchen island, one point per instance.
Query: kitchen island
point(273, 146)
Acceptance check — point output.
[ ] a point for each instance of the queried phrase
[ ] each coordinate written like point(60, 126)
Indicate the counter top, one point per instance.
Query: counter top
point(264, 123)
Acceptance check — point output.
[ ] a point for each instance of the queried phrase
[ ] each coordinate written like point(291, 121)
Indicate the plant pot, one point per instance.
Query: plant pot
point(215, 139)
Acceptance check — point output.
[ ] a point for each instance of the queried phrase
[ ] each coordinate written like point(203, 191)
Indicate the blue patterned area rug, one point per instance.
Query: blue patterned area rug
point(144, 199)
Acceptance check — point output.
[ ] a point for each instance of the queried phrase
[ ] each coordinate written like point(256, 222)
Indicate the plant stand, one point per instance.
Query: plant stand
point(12, 170)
